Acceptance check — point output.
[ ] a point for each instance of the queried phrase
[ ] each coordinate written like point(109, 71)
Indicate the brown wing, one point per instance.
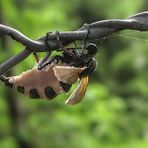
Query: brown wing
point(67, 74)
point(37, 79)
point(78, 93)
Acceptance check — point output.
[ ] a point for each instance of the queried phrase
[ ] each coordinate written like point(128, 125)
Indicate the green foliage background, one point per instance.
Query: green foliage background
point(114, 113)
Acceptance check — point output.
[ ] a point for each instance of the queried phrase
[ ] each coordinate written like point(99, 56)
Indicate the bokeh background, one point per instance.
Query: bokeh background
point(114, 113)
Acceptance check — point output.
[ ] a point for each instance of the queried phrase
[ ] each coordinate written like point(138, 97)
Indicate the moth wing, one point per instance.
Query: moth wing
point(67, 74)
point(78, 93)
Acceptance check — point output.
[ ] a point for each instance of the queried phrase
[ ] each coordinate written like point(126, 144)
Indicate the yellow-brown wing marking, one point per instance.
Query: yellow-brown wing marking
point(79, 92)
point(67, 74)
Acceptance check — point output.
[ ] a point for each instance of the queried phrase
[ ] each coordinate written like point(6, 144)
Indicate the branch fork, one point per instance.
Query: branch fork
point(93, 31)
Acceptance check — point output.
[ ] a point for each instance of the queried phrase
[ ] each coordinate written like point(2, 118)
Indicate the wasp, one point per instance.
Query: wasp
point(56, 74)
point(78, 65)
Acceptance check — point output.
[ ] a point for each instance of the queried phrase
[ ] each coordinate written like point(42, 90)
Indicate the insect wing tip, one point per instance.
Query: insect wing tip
point(67, 102)
point(78, 94)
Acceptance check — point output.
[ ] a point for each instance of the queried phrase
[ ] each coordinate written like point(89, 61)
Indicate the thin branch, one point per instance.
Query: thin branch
point(14, 60)
point(101, 29)
point(20, 37)
point(96, 30)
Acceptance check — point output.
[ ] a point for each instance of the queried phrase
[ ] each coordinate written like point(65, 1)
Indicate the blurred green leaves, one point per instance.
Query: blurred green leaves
point(114, 111)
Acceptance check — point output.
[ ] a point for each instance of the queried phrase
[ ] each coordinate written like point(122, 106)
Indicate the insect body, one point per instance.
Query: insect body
point(39, 83)
point(73, 60)
point(57, 75)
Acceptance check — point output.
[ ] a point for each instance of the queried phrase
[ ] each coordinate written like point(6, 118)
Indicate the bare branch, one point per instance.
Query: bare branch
point(19, 37)
point(14, 61)
point(96, 30)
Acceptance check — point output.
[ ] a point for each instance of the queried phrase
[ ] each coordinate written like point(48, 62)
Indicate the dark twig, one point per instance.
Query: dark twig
point(14, 60)
point(97, 30)
point(19, 37)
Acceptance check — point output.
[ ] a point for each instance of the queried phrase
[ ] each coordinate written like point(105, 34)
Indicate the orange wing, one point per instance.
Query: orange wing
point(78, 93)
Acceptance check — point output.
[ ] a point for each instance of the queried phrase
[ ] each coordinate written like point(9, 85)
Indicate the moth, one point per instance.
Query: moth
point(56, 75)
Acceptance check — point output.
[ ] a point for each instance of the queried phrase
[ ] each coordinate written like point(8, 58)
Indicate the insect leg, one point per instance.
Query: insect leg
point(87, 26)
point(41, 63)
point(75, 44)
point(58, 38)
point(55, 59)
point(36, 57)
point(73, 52)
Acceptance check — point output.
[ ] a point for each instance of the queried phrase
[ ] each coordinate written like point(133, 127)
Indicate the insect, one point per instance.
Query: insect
point(56, 75)
point(39, 83)
point(68, 73)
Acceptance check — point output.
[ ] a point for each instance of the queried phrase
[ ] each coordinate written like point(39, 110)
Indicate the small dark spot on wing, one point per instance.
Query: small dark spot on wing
point(50, 93)
point(34, 94)
point(66, 87)
point(20, 89)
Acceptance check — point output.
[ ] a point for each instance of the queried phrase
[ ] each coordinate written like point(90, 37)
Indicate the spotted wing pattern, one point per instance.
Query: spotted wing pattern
point(37, 83)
